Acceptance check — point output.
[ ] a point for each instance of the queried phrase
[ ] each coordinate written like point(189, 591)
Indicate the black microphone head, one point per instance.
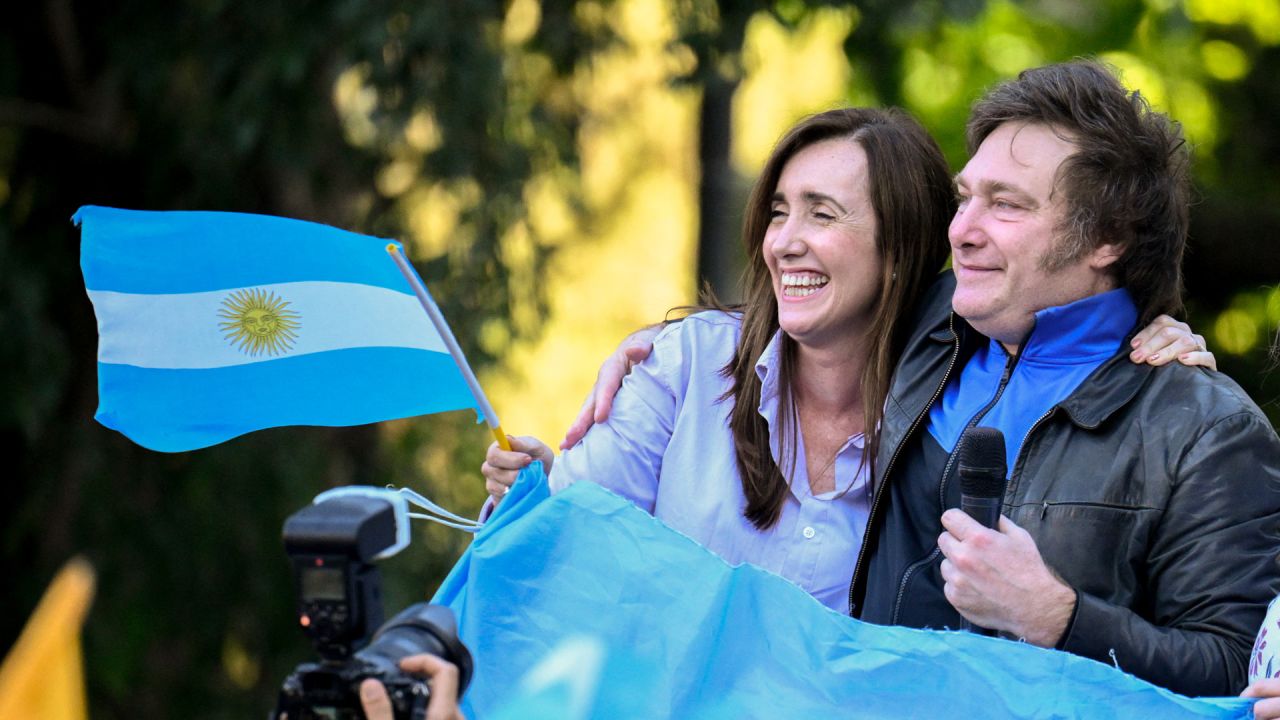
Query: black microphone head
point(982, 464)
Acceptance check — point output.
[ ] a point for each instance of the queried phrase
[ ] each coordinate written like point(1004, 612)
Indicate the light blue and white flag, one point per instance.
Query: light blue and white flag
point(622, 617)
point(212, 325)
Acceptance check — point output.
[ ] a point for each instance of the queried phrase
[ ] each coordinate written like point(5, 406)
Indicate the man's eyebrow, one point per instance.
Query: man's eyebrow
point(1024, 197)
point(996, 187)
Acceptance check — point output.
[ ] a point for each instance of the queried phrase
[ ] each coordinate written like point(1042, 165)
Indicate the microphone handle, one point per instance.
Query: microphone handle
point(985, 510)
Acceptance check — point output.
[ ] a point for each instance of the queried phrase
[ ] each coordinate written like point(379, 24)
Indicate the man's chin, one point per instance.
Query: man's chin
point(980, 315)
point(969, 305)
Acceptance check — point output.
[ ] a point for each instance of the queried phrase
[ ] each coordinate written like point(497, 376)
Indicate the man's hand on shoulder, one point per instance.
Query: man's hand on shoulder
point(998, 580)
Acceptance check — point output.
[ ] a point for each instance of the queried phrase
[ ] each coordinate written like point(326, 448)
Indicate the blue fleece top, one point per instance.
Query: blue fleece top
point(1067, 343)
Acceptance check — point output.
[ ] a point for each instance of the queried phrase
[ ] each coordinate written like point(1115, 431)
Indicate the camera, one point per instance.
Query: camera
point(332, 546)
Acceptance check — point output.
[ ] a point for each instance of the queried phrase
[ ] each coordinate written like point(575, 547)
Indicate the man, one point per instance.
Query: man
point(1143, 503)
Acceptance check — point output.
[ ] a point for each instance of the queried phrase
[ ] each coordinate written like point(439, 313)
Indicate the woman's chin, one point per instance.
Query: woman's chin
point(823, 331)
point(800, 330)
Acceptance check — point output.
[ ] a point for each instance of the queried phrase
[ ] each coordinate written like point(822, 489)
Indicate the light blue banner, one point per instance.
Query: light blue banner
point(679, 633)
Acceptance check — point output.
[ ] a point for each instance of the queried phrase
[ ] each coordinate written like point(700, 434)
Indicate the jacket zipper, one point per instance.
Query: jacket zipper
point(1045, 505)
point(946, 475)
point(1017, 463)
point(884, 483)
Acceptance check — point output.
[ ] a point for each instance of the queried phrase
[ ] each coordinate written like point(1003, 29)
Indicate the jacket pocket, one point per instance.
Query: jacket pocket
point(1096, 547)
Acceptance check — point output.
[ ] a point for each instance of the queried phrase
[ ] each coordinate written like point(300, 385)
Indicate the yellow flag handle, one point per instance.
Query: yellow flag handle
point(501, 437)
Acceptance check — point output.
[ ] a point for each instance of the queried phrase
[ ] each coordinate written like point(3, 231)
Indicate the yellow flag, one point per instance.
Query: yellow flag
point(42, 678)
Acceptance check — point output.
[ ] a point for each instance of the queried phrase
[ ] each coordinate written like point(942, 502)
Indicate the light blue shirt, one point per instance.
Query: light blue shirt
point(667, 447)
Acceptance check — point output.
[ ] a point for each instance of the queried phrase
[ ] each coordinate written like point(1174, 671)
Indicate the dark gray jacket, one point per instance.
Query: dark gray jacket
point(1153, 492)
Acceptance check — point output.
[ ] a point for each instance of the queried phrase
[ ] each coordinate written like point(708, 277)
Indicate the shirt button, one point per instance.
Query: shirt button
point(809, 533)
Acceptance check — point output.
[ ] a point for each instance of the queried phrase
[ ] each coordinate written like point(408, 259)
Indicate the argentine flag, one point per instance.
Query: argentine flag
point(212, 325)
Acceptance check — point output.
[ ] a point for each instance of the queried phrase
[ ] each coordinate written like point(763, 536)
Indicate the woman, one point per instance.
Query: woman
point(747, 431)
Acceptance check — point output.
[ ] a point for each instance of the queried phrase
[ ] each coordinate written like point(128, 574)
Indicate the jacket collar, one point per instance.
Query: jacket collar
point(1113, 385)
point(1086, 331)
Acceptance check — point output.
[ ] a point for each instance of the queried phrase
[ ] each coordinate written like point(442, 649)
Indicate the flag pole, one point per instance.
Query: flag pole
point(442, 327)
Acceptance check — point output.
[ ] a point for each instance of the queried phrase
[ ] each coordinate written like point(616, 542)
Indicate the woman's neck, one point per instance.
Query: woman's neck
point(829, 380)
point(827, 393)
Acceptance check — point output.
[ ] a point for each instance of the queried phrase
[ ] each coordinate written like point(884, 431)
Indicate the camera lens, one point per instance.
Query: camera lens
point(420, 628)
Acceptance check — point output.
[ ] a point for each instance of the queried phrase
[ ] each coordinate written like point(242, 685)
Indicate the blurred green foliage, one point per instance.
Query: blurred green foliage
point(352, 113)
point(235, 106)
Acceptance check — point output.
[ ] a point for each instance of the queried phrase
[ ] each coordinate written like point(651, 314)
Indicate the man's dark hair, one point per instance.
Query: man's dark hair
point(1127, 183)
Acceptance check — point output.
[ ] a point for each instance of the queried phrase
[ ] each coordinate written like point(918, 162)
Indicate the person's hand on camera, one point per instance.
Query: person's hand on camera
point(443, 704)
point(501, 466)
point(633, 349)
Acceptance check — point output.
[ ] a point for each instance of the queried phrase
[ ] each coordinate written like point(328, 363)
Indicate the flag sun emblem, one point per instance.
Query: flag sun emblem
point(258, 322)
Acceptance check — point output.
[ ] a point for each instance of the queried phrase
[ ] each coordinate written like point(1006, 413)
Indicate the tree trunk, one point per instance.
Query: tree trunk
point(718, 256)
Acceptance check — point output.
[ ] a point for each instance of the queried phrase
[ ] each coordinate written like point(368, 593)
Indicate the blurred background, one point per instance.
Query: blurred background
point(561, 171)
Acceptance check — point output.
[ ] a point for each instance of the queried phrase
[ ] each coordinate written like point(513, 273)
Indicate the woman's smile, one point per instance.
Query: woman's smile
point(802, 284)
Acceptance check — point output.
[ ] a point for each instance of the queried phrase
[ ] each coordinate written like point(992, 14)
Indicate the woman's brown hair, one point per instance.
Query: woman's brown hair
point(913, 198)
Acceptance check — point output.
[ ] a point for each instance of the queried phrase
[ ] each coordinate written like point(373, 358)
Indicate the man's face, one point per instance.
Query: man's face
point(1005, 230)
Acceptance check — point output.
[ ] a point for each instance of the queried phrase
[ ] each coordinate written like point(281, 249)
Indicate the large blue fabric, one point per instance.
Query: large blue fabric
point(664, 628)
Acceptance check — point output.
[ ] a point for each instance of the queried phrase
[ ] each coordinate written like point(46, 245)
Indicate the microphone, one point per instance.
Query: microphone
point(982, 474)
point(982, 480)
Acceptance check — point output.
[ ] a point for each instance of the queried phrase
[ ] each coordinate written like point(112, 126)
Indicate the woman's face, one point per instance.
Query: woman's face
point(820, 245)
